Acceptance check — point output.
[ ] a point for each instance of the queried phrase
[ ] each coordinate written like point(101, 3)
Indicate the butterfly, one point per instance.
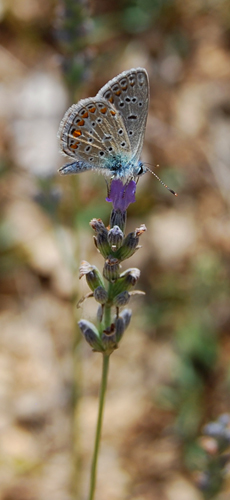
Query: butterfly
point(105, 133)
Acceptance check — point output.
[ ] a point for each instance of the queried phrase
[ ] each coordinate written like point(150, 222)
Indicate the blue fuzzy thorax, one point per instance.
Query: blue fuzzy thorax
point(119, 168)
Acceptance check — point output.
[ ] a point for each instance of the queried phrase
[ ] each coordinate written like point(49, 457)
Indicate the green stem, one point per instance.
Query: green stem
point(107, 317)
point(104, 378)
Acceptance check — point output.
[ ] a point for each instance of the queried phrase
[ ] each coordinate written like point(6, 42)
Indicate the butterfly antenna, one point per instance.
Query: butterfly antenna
point(163, 184)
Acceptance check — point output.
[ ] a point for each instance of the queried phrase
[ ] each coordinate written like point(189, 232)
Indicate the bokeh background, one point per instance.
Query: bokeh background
point(170, 375)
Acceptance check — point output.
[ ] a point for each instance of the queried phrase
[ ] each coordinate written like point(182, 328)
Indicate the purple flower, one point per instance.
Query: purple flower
point(121, 195)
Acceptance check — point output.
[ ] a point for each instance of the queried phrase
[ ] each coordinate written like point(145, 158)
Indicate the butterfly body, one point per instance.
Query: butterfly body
point(106, 133)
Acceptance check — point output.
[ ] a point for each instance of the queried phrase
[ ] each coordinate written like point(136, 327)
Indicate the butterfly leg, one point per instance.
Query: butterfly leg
point(74, 168)
point(108, 188)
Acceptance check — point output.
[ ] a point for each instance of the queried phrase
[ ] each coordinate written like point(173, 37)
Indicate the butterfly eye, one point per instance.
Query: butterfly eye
point(140, 170)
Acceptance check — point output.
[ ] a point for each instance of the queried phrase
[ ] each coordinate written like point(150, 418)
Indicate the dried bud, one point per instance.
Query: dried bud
point(98, 226)
point(93, 276)
point(82, 299)
point(115, 238)
point(91, 335)
point(127, 280)
point(130, 243)
point(121, 299)
point(111, 269)
point(100, 295)
point(101, 239)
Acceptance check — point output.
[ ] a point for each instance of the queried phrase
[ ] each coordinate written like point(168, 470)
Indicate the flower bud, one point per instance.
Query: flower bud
point(93, 276)
point(109, 340)
point(118, 218)
point(127, 280)
point(111, 269)
point(91, 335)
point(224, 419)
point(121, 323)
point(126, 315)
point(100, 313)
point(101, 240)
point(120, 328)
point(130, 243)
point(100, 295)
point(111, 336)
point(115, 238)
point(121, 299)
point(214, 429)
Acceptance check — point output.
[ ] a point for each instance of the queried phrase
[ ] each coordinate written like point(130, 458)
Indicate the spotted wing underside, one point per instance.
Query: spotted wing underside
point(92, 132)
point(129, 94)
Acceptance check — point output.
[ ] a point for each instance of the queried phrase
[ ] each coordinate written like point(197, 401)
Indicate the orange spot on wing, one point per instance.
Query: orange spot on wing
point(111, 99)
point(113, 113)
point(118, 92)
point(125, 87)
point(103, 110)
point(75, 145)
point(76, 133)
point(92, 110)
point(81, 123)
point(85, 115)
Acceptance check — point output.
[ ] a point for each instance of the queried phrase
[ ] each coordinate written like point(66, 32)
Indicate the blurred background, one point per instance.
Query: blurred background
point(170, 375)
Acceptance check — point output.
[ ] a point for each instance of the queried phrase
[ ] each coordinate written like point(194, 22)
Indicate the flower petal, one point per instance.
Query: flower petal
point(121, 195)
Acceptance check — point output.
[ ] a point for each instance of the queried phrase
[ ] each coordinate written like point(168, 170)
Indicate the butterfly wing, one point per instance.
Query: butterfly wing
point(92, 132)
point(129, 93)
